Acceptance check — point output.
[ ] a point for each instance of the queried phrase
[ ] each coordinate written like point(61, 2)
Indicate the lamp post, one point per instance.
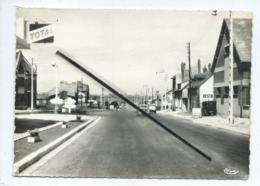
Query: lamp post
point(32, 87)
point(56, 87)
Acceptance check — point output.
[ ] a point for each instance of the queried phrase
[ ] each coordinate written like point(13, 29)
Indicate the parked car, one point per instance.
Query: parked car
point(152, 108)
point(144, 107)
point(209, 108)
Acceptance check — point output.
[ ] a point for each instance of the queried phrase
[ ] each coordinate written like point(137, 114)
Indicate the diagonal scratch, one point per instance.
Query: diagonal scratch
point(81, 66)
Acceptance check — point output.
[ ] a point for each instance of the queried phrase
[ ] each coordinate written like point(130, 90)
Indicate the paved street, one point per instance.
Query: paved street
point(122, 145)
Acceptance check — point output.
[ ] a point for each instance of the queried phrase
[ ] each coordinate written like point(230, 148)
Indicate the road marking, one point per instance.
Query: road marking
point(34, 167)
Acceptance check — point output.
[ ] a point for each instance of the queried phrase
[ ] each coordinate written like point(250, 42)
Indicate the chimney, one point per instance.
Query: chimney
point(204, 69)
point(209, 67)
point(183, 66)
point(199, 66)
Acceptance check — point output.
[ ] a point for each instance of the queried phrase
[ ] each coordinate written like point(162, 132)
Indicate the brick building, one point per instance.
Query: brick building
point(242, 36)
point(24, 74)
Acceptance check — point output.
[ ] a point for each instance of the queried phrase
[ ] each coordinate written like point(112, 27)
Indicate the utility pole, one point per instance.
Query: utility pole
point(152, 94)
point(189, 92)
point(32, 86)
point(81, 91)
point(231, 67)
point(56, 87)
point(102, 97)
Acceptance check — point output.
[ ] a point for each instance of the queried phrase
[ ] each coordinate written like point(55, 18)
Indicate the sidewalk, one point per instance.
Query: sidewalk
point(240, 126)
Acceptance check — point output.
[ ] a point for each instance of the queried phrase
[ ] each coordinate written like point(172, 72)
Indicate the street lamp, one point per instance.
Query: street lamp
point(165, 91)
point(32, 87)
point(56, 87)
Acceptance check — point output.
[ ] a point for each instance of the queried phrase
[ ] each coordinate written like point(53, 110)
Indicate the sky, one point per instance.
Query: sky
point(136, 50)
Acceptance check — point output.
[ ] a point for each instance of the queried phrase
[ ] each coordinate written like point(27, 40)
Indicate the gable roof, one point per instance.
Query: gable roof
point(21, 59)
point(242, 39)
point(70, 88)
point(198, 83)
point(242, 33)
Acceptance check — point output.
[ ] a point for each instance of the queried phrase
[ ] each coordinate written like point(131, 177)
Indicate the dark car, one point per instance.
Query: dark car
point(209, 108)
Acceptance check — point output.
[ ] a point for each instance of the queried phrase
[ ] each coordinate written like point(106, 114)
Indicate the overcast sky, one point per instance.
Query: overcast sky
point(127, 47)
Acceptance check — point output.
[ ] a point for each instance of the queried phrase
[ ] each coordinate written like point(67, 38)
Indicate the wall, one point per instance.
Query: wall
point(207, 88)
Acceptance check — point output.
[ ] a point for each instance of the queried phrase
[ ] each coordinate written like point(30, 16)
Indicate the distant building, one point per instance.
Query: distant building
point(179, 91)
point(76, 90)
point(168, 102)
point(242, 36)
point(24, 73)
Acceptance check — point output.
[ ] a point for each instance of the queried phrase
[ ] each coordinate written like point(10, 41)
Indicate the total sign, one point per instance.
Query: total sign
point(40, 33)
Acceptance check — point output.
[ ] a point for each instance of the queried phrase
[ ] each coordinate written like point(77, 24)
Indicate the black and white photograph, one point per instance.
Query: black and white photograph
point(132, 93)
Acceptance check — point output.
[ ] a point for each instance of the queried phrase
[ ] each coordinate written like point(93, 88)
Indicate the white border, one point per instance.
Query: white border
point(7, 56)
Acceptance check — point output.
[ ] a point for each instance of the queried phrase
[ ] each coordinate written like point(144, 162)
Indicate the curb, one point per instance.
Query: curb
point(26, 134)
point(206, 125)
point(35, 156)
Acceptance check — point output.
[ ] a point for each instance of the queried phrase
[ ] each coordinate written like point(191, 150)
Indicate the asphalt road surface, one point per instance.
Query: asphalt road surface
point(123, 145)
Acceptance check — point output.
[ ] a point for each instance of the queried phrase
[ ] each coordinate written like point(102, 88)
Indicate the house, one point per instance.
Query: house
point(76, 90)
point(167, 103)
point(179, 92)
point(25, 75)
point(242, 36)
point(200, 89)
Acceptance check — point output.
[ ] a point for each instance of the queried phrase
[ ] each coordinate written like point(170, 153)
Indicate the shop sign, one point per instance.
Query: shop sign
point(196, 112)
point(40, 33)
point(207, 95)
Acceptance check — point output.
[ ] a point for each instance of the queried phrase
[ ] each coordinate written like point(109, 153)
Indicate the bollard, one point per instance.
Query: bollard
point(78, 118)
point(64, 125)
point(33, 136)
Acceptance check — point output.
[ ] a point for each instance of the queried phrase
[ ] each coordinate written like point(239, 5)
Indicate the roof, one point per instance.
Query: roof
point(198, 83)
point(20, 58)
point(183, 86)
point(70, 88)
point(21, 43)
point(242, 39)
point(242, 33)
point(42, 96)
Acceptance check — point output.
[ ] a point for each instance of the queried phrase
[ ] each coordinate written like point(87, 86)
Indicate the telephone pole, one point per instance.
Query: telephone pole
point(32, 86)
point(189, 92)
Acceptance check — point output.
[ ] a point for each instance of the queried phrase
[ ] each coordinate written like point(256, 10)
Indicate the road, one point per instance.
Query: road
point(122, 145)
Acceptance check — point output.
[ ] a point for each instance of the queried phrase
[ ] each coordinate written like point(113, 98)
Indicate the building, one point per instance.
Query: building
point(179, 92)
point(25, 74)
point(79, 91)
point(168, 102)
point(201, 88)
point(242, 36)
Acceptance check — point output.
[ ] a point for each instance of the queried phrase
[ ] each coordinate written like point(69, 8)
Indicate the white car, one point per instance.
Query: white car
point(152, 108)
point(144, 108)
